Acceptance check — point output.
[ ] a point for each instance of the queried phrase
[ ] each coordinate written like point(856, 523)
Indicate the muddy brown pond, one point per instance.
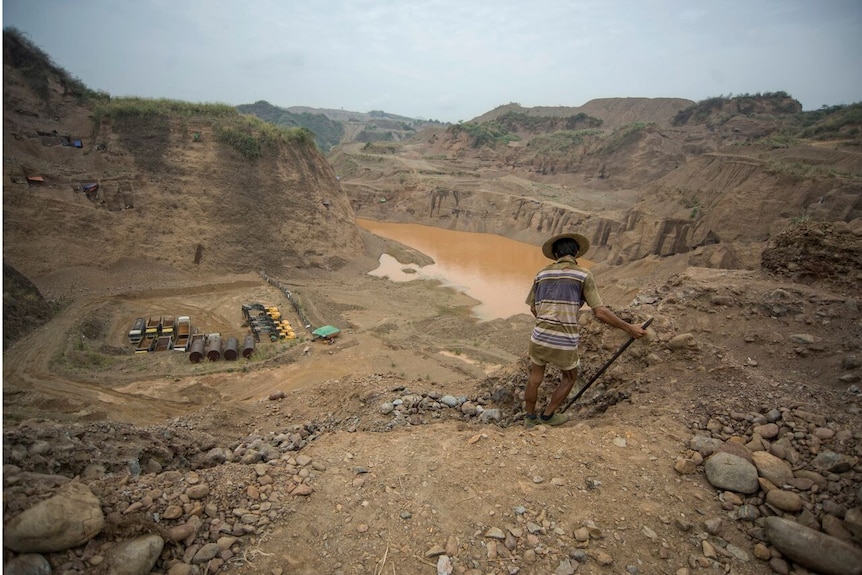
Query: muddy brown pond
point(491, 269)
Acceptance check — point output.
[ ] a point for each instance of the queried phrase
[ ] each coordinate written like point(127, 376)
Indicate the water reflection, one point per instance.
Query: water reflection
point(492, 269)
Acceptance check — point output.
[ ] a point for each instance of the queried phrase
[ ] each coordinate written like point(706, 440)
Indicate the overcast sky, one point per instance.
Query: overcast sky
point(450, 60)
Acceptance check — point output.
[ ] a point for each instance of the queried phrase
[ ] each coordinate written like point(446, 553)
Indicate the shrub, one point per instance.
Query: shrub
point(561, 141)
point(485, 133)
point(622, 136)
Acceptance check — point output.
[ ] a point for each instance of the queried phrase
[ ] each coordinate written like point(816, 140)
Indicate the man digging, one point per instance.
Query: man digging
point(559, 290)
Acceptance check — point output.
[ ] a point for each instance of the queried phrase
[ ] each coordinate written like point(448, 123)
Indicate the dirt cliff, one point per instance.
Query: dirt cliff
point(171, 186)
point(723, 185)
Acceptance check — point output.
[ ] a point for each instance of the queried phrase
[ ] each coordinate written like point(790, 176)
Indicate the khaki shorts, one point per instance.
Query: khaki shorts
point(575, 361)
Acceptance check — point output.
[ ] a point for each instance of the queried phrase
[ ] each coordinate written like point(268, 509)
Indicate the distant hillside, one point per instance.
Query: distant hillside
point(333, 127)
point(662, 134)
point(613, 112)
point(327, 132)
point(373, 115)
point(779, 116)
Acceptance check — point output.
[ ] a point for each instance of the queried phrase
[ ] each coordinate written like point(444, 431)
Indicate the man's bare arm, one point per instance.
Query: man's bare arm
point(605, 315)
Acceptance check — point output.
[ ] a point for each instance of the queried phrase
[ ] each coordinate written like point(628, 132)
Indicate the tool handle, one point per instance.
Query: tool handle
point(603, 368)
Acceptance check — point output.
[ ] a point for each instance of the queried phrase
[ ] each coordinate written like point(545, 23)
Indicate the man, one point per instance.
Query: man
point(559, 290)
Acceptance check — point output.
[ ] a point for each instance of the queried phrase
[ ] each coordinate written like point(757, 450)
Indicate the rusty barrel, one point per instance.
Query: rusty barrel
point(197, 351)
point(248, 346)
point(213, 347)
point(230, 348)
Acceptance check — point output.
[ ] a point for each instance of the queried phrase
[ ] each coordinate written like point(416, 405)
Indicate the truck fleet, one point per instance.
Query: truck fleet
point(156, 333)
point(168, 332)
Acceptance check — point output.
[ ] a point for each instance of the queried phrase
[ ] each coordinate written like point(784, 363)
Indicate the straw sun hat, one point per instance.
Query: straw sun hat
point(583, 244)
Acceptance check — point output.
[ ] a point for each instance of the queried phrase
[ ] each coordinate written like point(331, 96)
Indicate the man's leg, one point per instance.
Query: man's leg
point(567, 382)
point(531, 393)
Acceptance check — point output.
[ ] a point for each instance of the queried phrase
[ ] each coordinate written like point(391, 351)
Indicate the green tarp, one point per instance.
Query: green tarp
point(326, 331)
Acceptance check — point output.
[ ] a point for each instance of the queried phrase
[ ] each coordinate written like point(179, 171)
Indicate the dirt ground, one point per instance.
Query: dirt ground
point(391, 494)
point(384, 324)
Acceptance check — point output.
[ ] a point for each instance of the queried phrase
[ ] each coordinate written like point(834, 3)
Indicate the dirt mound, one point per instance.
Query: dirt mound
point(818, 253)
point(719, 109)
point(24, 308)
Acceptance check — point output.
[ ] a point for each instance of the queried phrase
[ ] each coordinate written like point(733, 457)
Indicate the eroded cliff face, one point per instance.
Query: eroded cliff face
point(720, 208)
point(168, 190)
point(523, 219)
point(726, 204)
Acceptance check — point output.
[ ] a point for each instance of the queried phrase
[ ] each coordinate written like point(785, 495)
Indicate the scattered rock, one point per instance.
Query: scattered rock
point(784, 500)
point(28, 564)
point(833, 462)
point(495, 533)
point(444, 565)
point(705, 445)
point(684, 466)
point(683, 341)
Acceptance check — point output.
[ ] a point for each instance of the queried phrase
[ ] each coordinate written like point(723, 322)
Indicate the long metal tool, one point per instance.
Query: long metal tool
point(602, 370)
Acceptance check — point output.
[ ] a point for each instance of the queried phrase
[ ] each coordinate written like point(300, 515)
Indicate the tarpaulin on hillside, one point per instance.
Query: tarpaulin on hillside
point(326, 331)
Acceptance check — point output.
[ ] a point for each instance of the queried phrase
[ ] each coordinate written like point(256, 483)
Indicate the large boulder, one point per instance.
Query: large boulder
point(812, 549)
point(136, 556)
point(772, 468)
point(68, 519)
point(731, 472)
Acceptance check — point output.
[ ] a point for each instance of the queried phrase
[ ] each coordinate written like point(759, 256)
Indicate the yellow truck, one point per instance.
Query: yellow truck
point(183, 333)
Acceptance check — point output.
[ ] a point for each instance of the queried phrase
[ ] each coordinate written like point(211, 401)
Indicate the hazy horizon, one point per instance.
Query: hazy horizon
point(447, 60)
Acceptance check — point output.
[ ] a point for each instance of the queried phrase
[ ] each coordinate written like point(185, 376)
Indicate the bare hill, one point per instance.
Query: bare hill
point(716, 186)
point(333, 127)
point(614, 112)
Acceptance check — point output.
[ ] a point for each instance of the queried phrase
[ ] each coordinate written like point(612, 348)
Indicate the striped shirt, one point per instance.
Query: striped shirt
point(559, 290)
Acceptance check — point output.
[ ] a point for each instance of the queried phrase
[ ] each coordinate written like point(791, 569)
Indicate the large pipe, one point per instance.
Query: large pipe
point(230, 348)
point(248, 346)
point(197, 352)
point(213, 347)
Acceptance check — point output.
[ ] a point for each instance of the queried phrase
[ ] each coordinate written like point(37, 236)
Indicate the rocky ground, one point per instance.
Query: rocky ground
point(741, 409)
